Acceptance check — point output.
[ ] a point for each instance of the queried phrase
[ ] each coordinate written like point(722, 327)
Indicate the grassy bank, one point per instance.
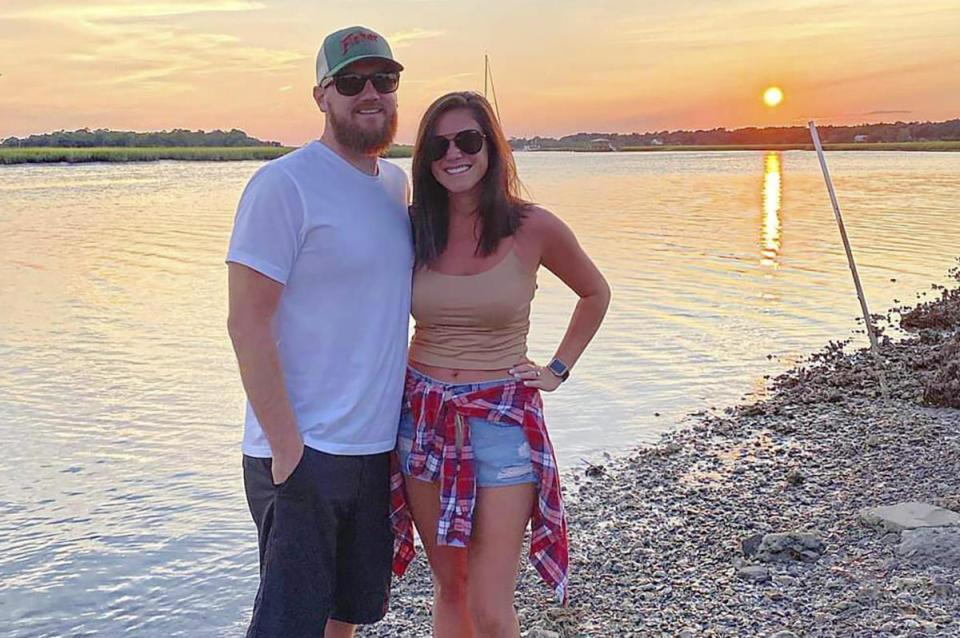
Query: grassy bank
point(399, 150)
point(138, 154)
point(860, 146)
point(41, 155)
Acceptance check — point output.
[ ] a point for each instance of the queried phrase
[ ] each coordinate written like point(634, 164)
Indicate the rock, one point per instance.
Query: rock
point(754, 573)
point(891, 538)
point(873, 440)
point(911, 515)
point(750, 544)
point(795, 477)
point(667, 449)
point(929, 546)
point(539, 632)
point(784, 634)
point(928, 626)
point(943, 587)
point(947, 502)
point(868, 594)
point(784, 580)
point(789, 546)
point(595, 470)
point(847, 609)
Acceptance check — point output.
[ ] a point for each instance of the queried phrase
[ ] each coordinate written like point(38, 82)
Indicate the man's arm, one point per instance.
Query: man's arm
point(253, 301)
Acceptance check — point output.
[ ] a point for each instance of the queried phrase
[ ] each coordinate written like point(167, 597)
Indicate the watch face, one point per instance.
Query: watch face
point(556, 366)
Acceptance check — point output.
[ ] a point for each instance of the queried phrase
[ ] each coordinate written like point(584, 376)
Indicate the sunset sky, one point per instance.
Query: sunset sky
point(560, 66)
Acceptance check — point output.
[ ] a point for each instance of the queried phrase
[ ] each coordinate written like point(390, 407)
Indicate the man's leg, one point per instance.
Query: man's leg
point(298, 537)
point(365, 549)
point(260, 492)
point(337, 629)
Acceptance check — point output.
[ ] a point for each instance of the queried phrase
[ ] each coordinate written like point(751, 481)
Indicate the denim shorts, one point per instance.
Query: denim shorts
point(501, 452)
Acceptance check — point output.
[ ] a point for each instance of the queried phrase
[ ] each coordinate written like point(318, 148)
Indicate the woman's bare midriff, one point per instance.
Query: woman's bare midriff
point(455, 375)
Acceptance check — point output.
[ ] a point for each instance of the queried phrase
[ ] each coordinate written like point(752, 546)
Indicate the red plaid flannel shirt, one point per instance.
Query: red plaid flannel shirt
point(438, 455)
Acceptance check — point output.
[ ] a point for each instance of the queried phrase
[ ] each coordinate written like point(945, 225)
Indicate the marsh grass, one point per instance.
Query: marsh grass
point(42, 155)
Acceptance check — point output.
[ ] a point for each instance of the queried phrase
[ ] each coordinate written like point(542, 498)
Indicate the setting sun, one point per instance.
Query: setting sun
point(772, 96)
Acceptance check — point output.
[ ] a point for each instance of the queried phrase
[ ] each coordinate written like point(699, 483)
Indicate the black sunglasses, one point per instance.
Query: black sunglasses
point(469, 141)
point(350, 84)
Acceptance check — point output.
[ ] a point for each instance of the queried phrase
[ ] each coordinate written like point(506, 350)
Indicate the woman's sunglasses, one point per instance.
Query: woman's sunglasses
point(350, 84)
point(469, 141)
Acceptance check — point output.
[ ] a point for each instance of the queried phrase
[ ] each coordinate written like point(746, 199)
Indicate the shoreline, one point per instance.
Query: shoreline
point(125, 154)
point(754, 521)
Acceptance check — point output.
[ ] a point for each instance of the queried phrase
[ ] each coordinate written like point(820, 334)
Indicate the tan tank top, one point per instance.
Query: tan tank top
point(473, 322)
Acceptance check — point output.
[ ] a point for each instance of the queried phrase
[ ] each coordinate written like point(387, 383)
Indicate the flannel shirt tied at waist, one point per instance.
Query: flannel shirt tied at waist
point(442, 451)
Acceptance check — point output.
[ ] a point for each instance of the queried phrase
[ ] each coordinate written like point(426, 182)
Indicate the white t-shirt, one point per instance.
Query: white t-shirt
point(339, 240)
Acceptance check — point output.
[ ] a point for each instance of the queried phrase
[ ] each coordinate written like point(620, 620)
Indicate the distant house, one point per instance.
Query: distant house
point(656, 142)
point(601, 144)
point(904, 134)
point(861, 138)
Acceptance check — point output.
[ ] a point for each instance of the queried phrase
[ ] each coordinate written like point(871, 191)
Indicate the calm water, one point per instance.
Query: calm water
point(121, 505)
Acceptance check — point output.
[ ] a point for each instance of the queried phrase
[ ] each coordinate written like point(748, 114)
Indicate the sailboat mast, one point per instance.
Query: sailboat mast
point(488, 74)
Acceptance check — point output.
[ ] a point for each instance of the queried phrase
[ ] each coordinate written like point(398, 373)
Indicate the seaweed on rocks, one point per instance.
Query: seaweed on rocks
point(922, 367)
point(938, 314)
point(943, 387)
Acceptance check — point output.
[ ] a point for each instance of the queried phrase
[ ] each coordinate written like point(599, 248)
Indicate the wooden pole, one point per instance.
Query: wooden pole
point(871, 331)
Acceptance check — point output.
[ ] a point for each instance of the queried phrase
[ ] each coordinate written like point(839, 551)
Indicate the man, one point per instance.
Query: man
point(319, 281)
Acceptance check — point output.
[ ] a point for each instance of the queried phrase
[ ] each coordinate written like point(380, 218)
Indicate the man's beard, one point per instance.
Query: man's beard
point(362, 139)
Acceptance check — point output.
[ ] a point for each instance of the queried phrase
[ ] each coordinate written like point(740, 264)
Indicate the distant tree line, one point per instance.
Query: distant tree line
point(884, 132)
point(85, 138)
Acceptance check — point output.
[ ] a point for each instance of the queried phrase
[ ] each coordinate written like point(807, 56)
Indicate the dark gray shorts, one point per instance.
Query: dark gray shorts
point(325, 542)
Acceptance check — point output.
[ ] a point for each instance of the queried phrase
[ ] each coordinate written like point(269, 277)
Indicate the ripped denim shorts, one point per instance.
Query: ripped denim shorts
point(502, 454)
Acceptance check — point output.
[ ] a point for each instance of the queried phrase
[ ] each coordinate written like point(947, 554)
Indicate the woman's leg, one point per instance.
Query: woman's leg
point(451, 618)
point(499, 520)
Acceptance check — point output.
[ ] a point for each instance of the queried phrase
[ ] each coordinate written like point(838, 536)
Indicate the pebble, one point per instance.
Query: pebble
point(795, 477)
point(784, 580)
point(754, 573)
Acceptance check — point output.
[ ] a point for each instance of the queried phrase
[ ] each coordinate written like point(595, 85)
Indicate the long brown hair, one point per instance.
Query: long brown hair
point(501, 208)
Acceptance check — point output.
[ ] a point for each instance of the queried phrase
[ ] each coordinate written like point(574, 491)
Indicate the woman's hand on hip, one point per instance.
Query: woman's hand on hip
point(534, 376)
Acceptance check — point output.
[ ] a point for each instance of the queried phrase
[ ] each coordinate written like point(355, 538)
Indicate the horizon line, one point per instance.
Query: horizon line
point(512, 137)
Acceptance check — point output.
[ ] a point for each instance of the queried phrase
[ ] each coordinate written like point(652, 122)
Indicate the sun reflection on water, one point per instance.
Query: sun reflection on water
point(772, 174)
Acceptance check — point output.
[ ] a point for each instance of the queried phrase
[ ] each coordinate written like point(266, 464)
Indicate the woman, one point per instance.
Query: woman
point(476, 461)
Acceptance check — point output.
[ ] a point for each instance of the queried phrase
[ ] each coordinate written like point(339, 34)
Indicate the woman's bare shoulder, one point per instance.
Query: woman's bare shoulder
point(539, 227)
point(540, 222)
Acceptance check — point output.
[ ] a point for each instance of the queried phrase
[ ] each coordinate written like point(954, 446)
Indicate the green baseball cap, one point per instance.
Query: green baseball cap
point(349, 45)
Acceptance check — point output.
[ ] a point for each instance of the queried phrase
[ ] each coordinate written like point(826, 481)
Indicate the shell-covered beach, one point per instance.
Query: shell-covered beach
point(822, 510)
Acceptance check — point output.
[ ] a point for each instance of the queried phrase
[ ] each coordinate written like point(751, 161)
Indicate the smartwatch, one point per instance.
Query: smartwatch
point(559, 368)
